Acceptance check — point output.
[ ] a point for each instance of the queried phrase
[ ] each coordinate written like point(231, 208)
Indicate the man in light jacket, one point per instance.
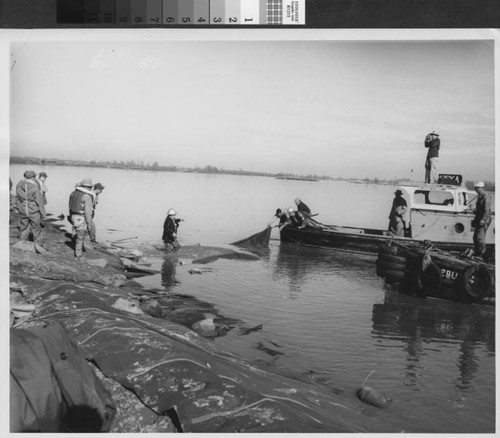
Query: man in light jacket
point(81, 202)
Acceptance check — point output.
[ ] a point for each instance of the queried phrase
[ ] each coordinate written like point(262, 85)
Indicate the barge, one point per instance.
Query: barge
point(441, 213)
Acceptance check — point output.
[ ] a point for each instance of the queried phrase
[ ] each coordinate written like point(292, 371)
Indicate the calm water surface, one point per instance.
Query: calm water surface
point(326, 316)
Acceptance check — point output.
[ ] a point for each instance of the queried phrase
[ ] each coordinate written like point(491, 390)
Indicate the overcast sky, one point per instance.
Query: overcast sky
point(350, 109)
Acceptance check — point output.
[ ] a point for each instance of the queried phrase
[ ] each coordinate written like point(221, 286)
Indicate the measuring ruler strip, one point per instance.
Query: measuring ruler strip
point(182, 12)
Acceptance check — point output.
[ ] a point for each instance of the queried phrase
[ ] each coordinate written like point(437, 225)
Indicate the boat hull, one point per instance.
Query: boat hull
point(359, 239)
point(436, 273)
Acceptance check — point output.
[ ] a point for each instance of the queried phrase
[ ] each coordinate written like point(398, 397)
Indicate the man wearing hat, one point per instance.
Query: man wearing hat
point(170, 227)
point(42, 176)
point(482, 219)
point(31, 209)
point(396, 223)
point(283, 216)
point(97, 189)
point(81, 203)
point(432, 143)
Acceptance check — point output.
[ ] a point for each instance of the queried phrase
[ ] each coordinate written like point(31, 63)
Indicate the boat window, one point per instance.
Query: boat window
point(470, 200)
point(429, 197)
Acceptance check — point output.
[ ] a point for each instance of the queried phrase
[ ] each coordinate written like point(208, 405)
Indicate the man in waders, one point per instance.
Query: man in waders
point(482, 219)
point(170, 231)
point(81, 203)
point(97, 189)
point(29, 202)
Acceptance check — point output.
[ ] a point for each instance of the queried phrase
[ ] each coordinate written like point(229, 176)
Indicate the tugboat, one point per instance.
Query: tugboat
point(441, 213)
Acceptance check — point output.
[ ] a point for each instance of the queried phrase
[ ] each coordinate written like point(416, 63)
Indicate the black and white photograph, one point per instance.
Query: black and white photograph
point(268, 231)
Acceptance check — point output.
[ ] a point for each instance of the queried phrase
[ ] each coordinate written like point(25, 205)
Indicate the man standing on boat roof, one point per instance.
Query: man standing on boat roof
point(432, 143)
point(170, 228)
point(396, 223)
point(482, 219)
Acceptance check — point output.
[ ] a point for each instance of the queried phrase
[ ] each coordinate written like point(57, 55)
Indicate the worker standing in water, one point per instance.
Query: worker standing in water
point(170, 227)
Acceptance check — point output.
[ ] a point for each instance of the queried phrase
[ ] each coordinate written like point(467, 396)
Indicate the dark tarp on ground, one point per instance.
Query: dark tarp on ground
point(171, 367)
point(52, 387)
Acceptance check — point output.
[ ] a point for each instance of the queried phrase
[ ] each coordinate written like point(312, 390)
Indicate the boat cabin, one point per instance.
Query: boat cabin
point(440, 212)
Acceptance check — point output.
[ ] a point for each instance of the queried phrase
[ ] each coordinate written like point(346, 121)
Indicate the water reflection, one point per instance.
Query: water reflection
point(168, 271)
point(296, 264)
point(424, 325)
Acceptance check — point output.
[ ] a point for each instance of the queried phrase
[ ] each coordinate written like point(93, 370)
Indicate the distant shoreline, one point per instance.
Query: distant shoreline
point(155, 167)
point(132, 165)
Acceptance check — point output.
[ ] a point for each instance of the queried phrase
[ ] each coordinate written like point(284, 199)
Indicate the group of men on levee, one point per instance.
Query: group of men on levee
point(30, 199)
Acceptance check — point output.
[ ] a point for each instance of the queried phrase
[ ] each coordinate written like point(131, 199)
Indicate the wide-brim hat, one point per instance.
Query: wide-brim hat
point(398, 192)
point(479, 184)
point(87, 182)
point(99, 186)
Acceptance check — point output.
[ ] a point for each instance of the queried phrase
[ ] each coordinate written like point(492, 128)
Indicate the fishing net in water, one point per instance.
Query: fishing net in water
point(255, 241)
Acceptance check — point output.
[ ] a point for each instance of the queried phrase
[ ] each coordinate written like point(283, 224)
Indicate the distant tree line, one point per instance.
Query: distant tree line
point(155, 166)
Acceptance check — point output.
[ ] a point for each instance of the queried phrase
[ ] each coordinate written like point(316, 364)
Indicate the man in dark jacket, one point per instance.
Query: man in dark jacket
point(284, 218)
point(482, 219)
point(303, 208)
point(432, 143)
point(170, 227)
point(305, 211)
point(31, 209)
point(398, 209)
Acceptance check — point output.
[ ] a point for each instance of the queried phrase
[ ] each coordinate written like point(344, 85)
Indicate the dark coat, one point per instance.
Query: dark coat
point(170, 227)
point(433, 146)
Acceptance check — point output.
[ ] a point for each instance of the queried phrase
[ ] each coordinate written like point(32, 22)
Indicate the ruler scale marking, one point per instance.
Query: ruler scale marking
point(133, 13)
